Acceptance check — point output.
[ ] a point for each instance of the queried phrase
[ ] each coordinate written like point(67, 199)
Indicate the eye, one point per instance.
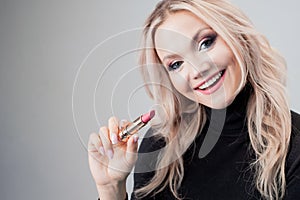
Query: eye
point(175, 65)
point(206, 43)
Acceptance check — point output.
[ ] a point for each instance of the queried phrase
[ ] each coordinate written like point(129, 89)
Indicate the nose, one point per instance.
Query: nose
point(199, 65)
point(199, 71)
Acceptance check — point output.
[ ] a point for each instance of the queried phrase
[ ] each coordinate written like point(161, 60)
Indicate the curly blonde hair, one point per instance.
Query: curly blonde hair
point(268, 114)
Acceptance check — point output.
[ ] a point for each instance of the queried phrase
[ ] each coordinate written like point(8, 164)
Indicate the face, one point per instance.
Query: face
point(200, 64)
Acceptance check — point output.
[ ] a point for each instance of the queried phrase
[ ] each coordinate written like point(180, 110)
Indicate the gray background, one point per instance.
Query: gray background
point(48, 52)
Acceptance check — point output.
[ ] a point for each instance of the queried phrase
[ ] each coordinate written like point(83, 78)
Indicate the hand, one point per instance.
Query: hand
point(111, 160)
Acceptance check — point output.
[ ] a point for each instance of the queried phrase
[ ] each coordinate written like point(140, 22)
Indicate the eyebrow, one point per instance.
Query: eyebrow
point(199, 32)
point(195, 38)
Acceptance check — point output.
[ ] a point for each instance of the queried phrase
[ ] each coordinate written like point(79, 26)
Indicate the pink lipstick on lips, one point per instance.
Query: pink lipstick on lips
point(136, 125)
point(214, 86)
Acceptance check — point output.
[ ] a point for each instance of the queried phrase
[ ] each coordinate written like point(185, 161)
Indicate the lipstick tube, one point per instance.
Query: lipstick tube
point(136, 125)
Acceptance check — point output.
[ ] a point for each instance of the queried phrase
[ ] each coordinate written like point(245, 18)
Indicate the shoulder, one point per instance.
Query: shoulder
point(148, 154)
point(293, 160)
point(294, 151)
point(151, 142)
point(295, 135)
point(295, 123)
point(293, 157)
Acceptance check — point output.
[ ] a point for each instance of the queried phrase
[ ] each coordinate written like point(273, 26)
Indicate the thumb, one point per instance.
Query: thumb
point(131, 152)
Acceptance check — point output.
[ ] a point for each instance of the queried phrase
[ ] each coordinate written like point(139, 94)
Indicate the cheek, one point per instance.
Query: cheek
point(221, 55)
point(235, 72)
point(180, 83)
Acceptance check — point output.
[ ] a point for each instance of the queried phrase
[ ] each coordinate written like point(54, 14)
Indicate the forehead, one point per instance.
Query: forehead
point(179, 28)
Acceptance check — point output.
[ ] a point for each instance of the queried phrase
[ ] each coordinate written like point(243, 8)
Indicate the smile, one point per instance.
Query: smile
point(211, 81)
point(211, 84)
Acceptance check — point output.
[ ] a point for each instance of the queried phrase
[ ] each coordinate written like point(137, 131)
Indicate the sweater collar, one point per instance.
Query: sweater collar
point(232, 120)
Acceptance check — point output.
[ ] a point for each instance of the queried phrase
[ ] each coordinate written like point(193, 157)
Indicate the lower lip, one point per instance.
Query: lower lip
point(215, 87)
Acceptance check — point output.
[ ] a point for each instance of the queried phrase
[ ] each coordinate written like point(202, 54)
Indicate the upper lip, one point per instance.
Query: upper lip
point(201, 83)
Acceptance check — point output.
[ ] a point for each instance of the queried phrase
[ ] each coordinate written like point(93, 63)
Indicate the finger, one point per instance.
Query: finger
point(95, 144)
point(132, 145)
point(123, 123)
point(113, 124)
point(94, 148)
point(104, 136)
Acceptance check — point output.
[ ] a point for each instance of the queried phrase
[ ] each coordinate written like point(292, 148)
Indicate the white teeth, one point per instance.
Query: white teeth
point(210, 81)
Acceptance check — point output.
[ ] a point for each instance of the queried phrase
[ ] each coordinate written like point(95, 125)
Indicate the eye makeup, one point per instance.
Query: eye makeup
point(202, 41)
point(207, 42)
point(175, 65)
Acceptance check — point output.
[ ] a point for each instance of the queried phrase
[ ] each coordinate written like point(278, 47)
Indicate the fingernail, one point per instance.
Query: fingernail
point(122, 123)
point(135, 138)
point(101, 150)
point(114, 138)
point(110, 154)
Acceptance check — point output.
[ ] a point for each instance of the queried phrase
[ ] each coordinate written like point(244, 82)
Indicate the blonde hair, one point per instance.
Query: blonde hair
point(268, 114)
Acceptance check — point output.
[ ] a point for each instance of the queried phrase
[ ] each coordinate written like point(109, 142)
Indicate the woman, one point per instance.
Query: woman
point(223, 129)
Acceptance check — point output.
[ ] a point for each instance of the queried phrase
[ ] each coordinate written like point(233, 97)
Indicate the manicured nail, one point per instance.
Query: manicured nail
point(122, 123)
point(135, 138)
point(114, 138)
point(110, 154)
point(101, 150)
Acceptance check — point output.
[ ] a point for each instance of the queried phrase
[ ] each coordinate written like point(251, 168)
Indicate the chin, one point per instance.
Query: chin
point(218, 106)
point(221, 105)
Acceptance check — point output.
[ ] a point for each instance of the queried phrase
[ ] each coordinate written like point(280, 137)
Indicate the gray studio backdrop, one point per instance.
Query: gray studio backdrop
point(66, 66)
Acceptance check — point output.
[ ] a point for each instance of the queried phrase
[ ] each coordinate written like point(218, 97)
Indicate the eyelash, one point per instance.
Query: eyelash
point(173, 66)
point(209, 39)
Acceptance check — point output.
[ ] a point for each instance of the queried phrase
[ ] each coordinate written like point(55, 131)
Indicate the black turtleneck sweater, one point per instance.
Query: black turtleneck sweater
point(216, 165)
